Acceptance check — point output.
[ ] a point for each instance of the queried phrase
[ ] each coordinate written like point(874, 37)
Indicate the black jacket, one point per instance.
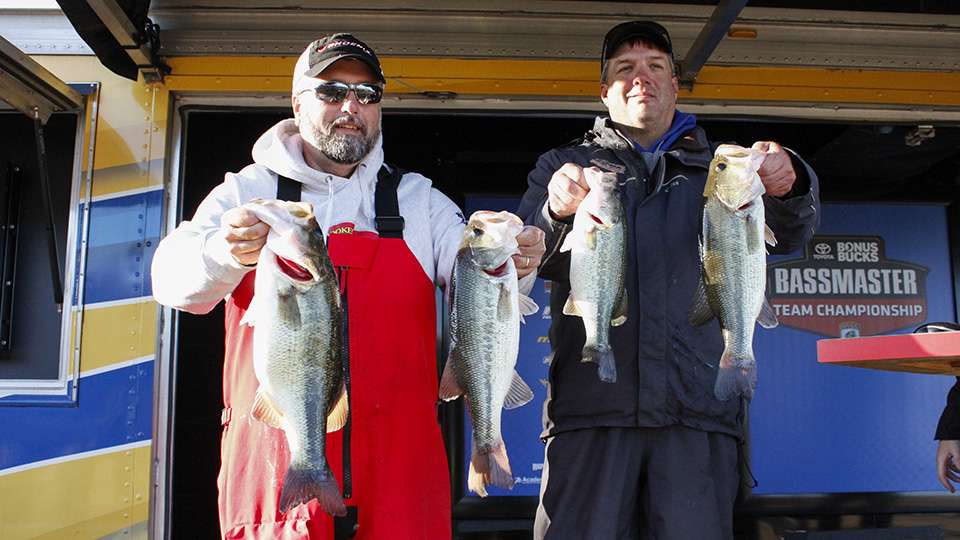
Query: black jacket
point(948, 428)
point(666, 367)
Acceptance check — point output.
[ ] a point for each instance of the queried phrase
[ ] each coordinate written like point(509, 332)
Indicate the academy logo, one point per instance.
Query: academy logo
point(342, 228)
point(846, 287)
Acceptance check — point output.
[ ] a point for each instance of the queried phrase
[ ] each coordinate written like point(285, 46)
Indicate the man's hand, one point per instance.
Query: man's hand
point(948, 459)
point(532, 248)
point(244, 233)
point(566, 190)
point(776, 172)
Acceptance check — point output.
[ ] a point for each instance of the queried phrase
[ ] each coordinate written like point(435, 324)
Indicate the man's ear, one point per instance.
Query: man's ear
point(603, 92)
point(295, 102)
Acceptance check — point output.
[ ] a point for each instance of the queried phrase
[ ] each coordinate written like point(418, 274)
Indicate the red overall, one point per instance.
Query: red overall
point(400, 481)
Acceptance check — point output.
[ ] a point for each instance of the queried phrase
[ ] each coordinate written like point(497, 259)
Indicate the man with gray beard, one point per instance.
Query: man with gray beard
point(392, 238)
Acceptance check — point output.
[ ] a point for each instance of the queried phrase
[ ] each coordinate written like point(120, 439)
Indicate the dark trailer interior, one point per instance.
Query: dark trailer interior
point(490, 153)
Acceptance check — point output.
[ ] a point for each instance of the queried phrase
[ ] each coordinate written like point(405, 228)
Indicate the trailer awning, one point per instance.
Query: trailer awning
point(120, 34)
point(28, 87)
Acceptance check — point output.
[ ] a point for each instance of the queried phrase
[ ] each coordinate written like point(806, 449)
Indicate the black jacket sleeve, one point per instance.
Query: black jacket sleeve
point(534, 211)
point(795, 218)
point(948, 428)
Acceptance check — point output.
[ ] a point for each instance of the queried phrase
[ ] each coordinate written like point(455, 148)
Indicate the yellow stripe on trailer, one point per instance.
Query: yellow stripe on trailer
point(131, 122)
point(85, 498)
point(129, 177)
point(117, 333)
point(580, 79)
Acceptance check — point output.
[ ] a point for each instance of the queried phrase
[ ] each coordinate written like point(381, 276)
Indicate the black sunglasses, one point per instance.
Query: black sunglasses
point(336, 92)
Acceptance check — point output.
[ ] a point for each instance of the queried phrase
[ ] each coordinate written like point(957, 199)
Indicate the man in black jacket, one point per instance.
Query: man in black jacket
point(655, 454)
point(948, 433)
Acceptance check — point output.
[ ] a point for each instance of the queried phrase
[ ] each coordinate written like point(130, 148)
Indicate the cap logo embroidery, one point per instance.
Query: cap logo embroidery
point(334, 44)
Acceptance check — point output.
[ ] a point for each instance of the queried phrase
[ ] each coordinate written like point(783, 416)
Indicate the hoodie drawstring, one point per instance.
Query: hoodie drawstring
point(329, 216)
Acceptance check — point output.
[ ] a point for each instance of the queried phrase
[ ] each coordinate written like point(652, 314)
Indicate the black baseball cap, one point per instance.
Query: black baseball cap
point(648, 31)
point(323, 52)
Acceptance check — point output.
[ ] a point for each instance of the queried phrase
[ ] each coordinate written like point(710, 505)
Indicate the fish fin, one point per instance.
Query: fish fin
point(590, 239)
point(288, 310)
point(735, 377)
point(704, 232)
point(620, 311)
point(265, 410)
point(527, 306)
point(767, 317)
point(489, 466)
point(754, 243)
point(768, 235)
point(569, 242)
point(504, 305)
point(519, 393)
point(700, 311)
point(301, 484)
point(339, 412)
point(570, 308)
point(449, 387)
point(606, 363)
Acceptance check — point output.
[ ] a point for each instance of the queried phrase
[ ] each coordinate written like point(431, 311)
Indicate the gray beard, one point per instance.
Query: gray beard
point(343, 149)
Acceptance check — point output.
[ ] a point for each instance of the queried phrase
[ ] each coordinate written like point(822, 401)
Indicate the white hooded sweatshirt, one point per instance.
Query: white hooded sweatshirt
point(193, 269)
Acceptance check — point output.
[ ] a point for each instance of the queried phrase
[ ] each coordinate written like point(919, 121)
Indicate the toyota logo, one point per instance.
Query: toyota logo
point(822, 248)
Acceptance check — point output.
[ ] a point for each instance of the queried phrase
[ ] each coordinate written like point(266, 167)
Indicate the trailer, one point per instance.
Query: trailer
point(119, 116)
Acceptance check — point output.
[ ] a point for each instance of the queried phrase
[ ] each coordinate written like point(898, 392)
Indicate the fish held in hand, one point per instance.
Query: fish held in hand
point(485, 339)
point(297, 324)
point(598, 259)
point(733, 265)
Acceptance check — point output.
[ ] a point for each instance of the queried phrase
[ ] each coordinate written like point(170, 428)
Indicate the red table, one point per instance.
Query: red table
point(934, 353)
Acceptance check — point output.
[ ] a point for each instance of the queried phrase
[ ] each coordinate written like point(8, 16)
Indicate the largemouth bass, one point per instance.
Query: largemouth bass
point(297, 322)
point(734, 265)
point(598, 258)
point(485, 329)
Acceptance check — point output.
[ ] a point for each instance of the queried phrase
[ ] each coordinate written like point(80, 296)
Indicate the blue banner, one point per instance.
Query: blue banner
point(818, 428)
point(813, 428)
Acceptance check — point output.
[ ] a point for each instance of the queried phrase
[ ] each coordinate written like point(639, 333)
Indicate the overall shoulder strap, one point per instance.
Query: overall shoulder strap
point(386, 205)
point(287, 189)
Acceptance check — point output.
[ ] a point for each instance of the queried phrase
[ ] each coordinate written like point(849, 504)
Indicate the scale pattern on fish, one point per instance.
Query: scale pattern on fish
point(734, 265)
point(297, 349)
point(485, 337)
point(598, 259)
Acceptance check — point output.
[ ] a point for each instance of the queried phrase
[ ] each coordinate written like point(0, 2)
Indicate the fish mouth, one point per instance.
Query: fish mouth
point(603, 223)
point(293, 270)
point(498, 271)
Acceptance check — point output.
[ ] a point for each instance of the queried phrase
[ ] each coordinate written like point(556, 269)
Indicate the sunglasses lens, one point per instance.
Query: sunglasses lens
point(368, 93)
point(336, 91)
point(332, 92)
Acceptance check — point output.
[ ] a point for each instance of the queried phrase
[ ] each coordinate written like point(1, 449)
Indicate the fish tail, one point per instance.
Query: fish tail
point(302, 484)
point(602, 355)
point(489, 466)
point(736, 376)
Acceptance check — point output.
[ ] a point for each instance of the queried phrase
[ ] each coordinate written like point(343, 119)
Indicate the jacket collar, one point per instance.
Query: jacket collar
point(691, 149)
